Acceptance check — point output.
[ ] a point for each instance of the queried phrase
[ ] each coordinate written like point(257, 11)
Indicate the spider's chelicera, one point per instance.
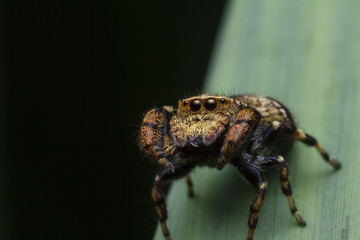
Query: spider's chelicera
point(247, 131)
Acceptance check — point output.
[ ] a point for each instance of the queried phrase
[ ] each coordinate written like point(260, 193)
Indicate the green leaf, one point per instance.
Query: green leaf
point(306, 54)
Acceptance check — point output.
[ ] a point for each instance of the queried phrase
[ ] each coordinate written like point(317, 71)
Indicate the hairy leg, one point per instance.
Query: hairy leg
point(311, 141)
point(161, 179)
point(239, 134)
point(278, 161)
point(154, 136)
point(255, 177)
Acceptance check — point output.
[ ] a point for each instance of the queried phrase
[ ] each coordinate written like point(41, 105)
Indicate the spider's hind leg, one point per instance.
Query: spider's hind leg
point(311, 141)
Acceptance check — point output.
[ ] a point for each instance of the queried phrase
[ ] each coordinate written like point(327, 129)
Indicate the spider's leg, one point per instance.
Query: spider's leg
point(180, 170)
point(154, 136)
point(190, 186)
point(311, 141)
point(255, 177)
point(269, 136)
point(269, 161)
point(239, 134)
point(271, 133)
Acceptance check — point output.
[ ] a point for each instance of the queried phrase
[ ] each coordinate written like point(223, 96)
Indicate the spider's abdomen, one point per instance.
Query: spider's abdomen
point(273, 134)
point(271, 110)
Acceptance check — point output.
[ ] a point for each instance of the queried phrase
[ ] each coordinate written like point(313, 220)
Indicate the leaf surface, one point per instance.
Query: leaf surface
point(307, 55)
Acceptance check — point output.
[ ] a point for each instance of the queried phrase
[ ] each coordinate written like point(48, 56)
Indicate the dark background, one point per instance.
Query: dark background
point(77, 78)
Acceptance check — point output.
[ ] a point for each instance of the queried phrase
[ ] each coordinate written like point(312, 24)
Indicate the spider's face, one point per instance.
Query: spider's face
point(202, 119)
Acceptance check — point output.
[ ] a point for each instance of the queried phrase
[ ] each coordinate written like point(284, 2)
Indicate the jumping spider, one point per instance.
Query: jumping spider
point(248, 131)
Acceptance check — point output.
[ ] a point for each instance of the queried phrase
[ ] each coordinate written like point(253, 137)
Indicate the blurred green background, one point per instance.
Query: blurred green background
point(76, 79)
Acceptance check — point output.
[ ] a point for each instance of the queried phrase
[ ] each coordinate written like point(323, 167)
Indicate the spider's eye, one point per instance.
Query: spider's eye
point(185, 102)
point(210, 104)
point(222, 100)
point(195, 105)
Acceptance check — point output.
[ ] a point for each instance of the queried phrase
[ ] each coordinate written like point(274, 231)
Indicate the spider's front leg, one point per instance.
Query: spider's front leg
point(155, 138)
point(180, 170)
point(245, 123)
point(255, 177)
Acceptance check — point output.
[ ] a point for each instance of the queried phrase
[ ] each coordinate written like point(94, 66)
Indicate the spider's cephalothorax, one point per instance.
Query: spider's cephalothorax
point(246, 131)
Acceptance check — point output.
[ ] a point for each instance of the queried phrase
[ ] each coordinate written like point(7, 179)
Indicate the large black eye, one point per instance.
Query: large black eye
point(195, 105)
point(210, 104)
